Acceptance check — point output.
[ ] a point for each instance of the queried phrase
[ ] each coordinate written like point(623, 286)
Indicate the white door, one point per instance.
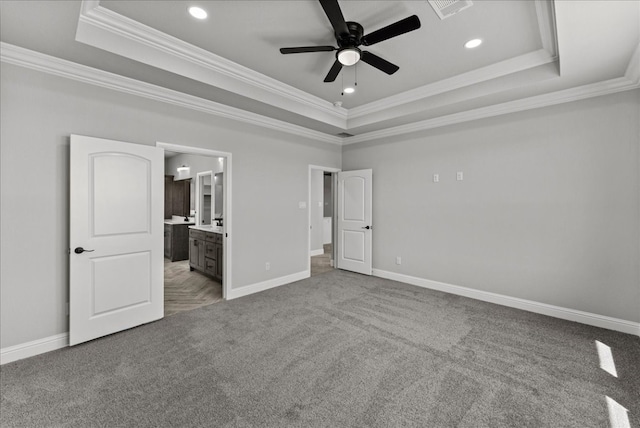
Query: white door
point(116, 237)
point(354, 221)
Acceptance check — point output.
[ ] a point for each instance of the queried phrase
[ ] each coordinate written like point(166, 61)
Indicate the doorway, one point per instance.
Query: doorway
point(322, 199)
point(199, 273)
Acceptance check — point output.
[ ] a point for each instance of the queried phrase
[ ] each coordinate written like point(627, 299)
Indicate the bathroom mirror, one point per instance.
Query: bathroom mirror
point(218, 186)
point(204, 199)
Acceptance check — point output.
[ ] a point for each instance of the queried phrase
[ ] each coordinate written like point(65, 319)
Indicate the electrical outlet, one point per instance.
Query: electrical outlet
point(267, 266)
point(459, 176)
point(398, 260)
point(436, 178)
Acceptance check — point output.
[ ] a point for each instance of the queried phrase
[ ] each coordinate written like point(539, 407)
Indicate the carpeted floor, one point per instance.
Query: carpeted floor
point(336, 350)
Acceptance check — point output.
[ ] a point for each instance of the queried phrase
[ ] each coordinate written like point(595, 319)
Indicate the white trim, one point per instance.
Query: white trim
point(547, 26)
point(22, 57)
point(103, 28)
point(588, 318)
point(316, 252)
point(490, 72)
point(265, 285)
point(633, 69)
point(607, 87)
point(33, 348)
point(227, 276)
point(15, 55)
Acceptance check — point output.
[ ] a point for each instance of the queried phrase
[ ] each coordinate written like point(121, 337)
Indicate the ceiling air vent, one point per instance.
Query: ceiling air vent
point(344, 135)
point(447, 8)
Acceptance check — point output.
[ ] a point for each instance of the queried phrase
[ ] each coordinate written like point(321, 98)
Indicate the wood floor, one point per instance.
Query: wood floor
point(185, 290)
point(322, 263)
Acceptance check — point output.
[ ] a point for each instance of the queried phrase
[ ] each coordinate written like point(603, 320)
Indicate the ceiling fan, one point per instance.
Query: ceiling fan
point(349, 36)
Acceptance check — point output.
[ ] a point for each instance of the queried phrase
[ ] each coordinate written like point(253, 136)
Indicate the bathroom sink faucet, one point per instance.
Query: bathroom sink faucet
point(218, 221)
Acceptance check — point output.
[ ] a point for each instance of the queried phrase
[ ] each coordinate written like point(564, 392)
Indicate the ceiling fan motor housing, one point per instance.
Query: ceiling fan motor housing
point(353, 39)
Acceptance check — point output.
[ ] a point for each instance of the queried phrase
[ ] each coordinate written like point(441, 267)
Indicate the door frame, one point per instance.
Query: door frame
point(334, 172)
point(227, 278)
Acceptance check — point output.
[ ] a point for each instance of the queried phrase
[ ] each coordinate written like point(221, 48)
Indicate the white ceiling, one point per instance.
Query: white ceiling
point(535, 52)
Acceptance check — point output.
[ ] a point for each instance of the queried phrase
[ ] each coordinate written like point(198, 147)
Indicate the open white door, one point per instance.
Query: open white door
point(115, 237)
point(354, 221)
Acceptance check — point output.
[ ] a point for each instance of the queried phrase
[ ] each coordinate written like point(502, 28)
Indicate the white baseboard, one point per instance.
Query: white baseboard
point(234, 293)
point(33, 348)
point(316, 252)
point(588, 318)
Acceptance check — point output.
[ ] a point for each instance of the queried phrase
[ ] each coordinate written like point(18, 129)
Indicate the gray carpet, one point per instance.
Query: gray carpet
point(335, 350)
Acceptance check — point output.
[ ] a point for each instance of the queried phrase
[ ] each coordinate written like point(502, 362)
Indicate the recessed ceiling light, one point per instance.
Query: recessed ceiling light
point(349, 90)
point(197, 12)
point(473, 43)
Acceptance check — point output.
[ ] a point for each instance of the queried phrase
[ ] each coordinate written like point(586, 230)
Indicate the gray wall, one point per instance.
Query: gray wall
point(38, 112)
point(548, 210)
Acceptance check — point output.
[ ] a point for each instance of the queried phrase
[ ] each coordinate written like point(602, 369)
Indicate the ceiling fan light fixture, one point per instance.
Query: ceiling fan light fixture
point(473, 43)
point(348, 56)
point(349, 90)
point(197, 12)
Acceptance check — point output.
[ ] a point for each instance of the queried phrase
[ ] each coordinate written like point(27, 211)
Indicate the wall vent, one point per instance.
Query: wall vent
point(447, 8)
point(344, 135)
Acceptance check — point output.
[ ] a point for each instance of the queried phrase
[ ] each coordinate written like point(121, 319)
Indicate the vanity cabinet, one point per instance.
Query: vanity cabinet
point(176, 242)
point(205, 253)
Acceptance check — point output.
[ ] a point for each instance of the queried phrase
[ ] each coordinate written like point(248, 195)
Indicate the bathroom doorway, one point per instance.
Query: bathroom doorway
point(322, 195)
point(197, 230)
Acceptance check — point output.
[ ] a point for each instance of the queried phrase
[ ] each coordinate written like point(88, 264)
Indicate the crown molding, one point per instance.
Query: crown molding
point(493, 71)
point(597, 89)
point(633, 69)
point(22, 57)
point(15, 55)
point(106, 29)
point(547, 26)
point(548, 53)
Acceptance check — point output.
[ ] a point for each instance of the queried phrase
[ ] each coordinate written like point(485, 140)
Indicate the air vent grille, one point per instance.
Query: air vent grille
point(344, 135)
point(447, 8)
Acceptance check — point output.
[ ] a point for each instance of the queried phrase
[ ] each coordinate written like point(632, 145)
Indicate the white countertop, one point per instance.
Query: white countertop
point(207, 228)
point(181, 221)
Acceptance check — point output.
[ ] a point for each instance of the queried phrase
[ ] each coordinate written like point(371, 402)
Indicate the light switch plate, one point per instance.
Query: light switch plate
point(436, 178)
point(302, 205)
point(459, 176)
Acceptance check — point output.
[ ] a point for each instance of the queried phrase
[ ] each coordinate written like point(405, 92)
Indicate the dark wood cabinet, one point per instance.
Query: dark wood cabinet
point(176, 242)
point(168, 197)
point(205, 253)
point(196, 250)
point(177, 197)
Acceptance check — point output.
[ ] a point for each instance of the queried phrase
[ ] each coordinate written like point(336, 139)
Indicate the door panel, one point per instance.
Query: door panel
point(353, 245)
point(116, 214)
point(354, 221)
point(112, 291)
point(115, 211)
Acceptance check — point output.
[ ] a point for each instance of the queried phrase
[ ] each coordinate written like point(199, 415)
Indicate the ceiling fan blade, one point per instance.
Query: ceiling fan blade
point(379, 63)
point(403, 26)
point(304, 49)
point(334, 13)
point(333, 73)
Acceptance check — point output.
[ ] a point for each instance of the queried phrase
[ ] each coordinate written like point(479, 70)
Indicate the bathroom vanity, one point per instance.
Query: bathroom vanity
point(205, 250)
